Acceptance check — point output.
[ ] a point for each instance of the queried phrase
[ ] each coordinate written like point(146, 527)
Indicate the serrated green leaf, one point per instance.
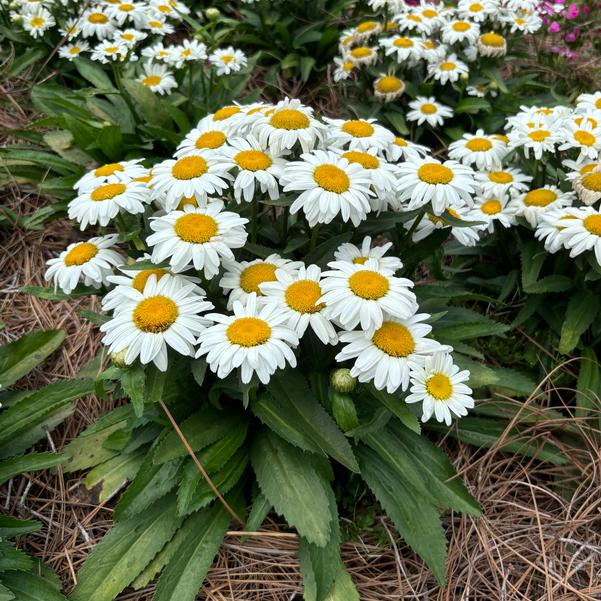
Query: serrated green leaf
point(18, 358)
point(30, 587)
point(580, 314)
point(125, 551)
point(28, 463)
point(10, 526)
point(288, 477)
point(5, 594)
point(343, 589)
point(259, 511)
point(133, 380)
point(397, 407)
point(417, 521)
point(13, 559)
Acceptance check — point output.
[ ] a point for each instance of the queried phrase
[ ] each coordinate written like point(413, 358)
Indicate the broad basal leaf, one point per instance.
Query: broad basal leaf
point(28, 463)
point(30, 587)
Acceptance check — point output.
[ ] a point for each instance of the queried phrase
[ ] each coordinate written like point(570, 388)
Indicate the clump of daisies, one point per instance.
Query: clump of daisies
point(119, 32)
point(450, 46)
point(188, 284)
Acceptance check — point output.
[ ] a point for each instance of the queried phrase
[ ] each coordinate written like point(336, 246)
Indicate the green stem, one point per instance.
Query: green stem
point(189, 86)
point(414, 225)
point(314, 237)
point(255, 219)
point(285, 226)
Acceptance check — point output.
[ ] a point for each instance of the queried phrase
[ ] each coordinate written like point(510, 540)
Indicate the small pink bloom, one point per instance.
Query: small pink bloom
point(554, 27)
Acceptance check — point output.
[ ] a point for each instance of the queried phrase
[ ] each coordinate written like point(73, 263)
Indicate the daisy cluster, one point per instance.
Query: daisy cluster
point(194, 204)
point(442, 43)
point(118, 31)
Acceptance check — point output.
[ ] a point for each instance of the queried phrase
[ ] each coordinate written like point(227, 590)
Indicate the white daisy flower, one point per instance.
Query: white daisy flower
point(103, 203)
point(388, 355)
point(358, 256)
point(343, 70)
point(124, 11)
point(388, 87)
point(130, 37)
point(538, 137)
point(491, 44)
point(158, 24)
point(505, 181)
point(158, 52)
point(583, 134)
point(583, 233)
point(287, 124)
point(524, 23)
point(461, 31)
point(588, 184)
point(157, 78)
point(201, 236)
point(245, 277)
point(361, 134)
point(108, 51)
point(190, 50)
point(256, 168)
point(588, 102)
point(71, 51)
point(37, 22)
point(432, 51)
point(329, 185)
point(535, 203)
point(121, 172)
point(449, 69)
point(363, 294)
point(362, 56)
point(200, 174)
point(439, 386)
point(165, 314)
point(367, 29)
point(228, 60)
point(71, 28)
point(477, 10)
point(298, 295)
point(406, 50)
point(479, 149)
point(91, 262)
point(551, 226)
point(206, 135)
point(477, 91)
point(414, 22)
point(428, 110)
point(405, 149)
point(493, 210)
point(256, 339)
point(465, 235)
point(96, 22)
point(443, 185)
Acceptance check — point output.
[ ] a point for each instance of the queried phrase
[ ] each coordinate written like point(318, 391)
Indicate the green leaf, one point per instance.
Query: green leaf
point(12, 559)
point(397, 407)
point(50, 294)
point(5, 594)
point(155, 384)
point(533, 257)
point(125, 551)
point(185, 573)
point(291, 410)
point(18, 358)
point(10, 526)
point(150, 104)
point(259, 511)
point(417, 521)
point(28, 463)
point(343, 589)
point(289, 478)
point(25, 423)
point(588, 390)
point(472, 106)
point(133, 381)
point(93, 73)
point(30, 587)
point(580, 314)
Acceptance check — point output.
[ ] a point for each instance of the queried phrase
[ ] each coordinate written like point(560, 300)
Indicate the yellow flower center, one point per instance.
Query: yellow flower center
point(361, 52)
point(128, 37)
point(500, 177)
point(400, 142)
point(144, 178)
point(331, 178)
point(501, 137)
point(111, 49)
point(302, 296)
point(539, 198)
point(588, 168)
point(107, 192)
point(358, 129)
point(491, 207)
point(403, 42)
point(256, 274)
point(461, 26)
point(476, 8)
point(366, 160)
point(210, 139)
point(139, 282)
point(369, 285)
point(196, 228)
point(394, 339)
point(428, 108)
point(519, 21)
point(592, 181)
point(227, 58)
point(225, 113)
point(253, 160)
point(366, 26)
point(155, 314)
point(75, 50)
point(429, 13)
point(389, 84)
point(360, 260)
point(584, 137)
point(493, 39)
point(81, 254)
point(415, 18)
point(289, 119)
point(348, 66)
point(37, 22)
point(156, 24)
point(590, 120)
point(430, 45)
point(593, 224)
point(108, 169)
point(185, 201)
point(598, 103)
point(447, 66)
point(152, 80)
point(126, 7)
point(434, 173)
point(189, 168)
point(248, 331)
point(97, 18)
point(478, 144)
point(439, 386)
point(539, 135)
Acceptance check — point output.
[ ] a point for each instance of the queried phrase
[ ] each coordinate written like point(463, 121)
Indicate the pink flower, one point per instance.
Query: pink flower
point(554, 27)
point(573, 12)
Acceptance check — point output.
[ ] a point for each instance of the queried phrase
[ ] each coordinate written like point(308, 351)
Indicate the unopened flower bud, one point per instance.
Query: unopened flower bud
point(118, 359)
point(212, 13)
point(464, 77)
point(342, 381)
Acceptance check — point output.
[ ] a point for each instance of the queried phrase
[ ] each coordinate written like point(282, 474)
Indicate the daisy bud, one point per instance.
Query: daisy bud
point(464, 77)
point(212, 13)
point(16, 18)
point(342, 381)
point(118, 358)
